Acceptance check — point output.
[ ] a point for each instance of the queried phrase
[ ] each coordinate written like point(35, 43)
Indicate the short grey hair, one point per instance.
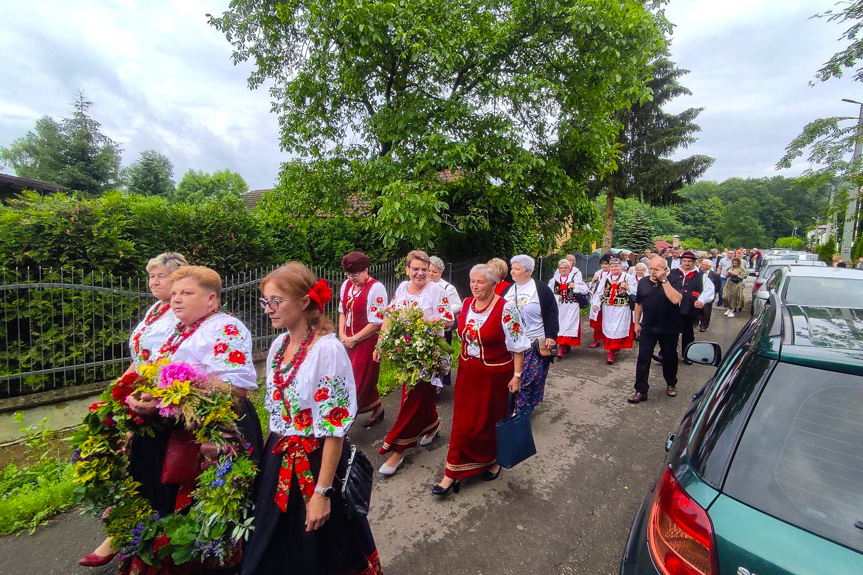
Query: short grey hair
point(490, 273)
point(708, 262)
point(641, 266)
point(171, 260)
point(564, 262)
point(437, 262)
point(526, 262)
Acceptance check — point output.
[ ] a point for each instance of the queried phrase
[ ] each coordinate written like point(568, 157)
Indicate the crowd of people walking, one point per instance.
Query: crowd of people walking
point(321, 375)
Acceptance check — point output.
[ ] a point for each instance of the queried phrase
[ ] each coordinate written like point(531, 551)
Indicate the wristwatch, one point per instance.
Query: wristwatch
point(325, 491)
point(517, 374)
point(663, 281)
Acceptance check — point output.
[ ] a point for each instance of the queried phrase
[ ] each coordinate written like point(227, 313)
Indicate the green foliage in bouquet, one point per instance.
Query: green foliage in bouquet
point(414, 346)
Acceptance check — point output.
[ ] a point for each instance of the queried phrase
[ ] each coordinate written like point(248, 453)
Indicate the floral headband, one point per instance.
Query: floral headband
point(320, 293)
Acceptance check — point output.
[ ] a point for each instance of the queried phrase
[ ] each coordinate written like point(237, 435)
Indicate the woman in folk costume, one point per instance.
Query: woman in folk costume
point(489, 369)
point(219, 345)
point(144, 342)
point(565, 288)
point(300, 525)
point(612, 302)
point(596, 320)
point(500, 267)
point(361, 314)
point(417, 422)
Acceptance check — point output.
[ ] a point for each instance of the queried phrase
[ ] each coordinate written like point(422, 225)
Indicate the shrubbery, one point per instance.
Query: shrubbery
point(798, 244)
point(826, 251)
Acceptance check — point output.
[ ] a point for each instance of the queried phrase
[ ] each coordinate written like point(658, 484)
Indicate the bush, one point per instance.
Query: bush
point(825, 251)
point(798, 244)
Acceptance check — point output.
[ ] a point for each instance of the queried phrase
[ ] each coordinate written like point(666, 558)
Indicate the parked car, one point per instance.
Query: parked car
point(767, 269)
point(763, 475)
point(797, 257)
point(811, 285)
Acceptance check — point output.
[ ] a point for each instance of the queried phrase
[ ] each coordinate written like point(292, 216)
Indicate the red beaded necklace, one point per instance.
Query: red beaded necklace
point(480, 311)
point(154, 314)
point(182, 333)
point(293, 366)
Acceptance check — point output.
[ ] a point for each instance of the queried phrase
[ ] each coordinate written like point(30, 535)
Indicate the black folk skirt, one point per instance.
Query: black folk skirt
point(279, 543)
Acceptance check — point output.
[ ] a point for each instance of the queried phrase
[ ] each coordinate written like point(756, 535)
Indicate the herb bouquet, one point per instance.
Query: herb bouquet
point(414, 346)
point(219, 515)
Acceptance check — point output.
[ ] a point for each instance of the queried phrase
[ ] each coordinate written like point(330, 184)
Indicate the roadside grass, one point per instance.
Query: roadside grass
point(37, 489)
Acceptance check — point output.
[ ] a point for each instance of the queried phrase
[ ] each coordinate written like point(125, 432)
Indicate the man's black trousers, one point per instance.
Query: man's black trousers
point(687, 323)
point(646, 344)
point(706, 312)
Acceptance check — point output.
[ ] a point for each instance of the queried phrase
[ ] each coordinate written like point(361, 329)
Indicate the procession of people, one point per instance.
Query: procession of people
point(321, 375)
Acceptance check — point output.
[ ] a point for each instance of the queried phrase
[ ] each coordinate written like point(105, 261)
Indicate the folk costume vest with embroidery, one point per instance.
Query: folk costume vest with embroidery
point(562, 291)
point(490, 338)
point(690, 286)
point(358, 306)
point(612, 293)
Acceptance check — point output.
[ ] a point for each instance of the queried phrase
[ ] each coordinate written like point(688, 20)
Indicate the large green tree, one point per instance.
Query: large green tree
point(421, 116)
point(72, 152)
point(650, 135)
point(197, 185)
point(151, 175)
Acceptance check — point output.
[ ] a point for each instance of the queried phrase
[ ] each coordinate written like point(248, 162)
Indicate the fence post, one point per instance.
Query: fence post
point(539, 273)
point(449, 272)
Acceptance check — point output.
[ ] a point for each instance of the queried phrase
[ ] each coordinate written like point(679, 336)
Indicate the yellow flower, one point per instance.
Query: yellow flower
point(173, 394)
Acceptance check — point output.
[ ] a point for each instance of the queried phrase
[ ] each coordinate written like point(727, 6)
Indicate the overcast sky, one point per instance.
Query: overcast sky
point(161, 78)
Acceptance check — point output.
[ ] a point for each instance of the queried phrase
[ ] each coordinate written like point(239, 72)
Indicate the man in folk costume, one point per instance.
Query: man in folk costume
point(697, 291)
point(611, 300)
point(361, 314)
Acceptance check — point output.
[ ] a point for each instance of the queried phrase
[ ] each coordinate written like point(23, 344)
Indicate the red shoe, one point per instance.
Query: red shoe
point(597, 343)
point(610, 358)
point(94, 560)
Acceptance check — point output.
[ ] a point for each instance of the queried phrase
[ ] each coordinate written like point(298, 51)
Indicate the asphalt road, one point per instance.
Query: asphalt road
point(565, 511)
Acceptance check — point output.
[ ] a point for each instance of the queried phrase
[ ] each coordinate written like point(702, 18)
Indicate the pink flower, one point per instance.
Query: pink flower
point(407, 339)
point(180, 371)
point(170, 411)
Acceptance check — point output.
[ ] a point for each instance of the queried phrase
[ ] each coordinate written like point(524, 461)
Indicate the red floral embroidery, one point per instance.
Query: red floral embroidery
point(506, 318)
point(237, 357)
point(303, 420)
point(445, 301)
point(136, 342)
point(322, 394)
point(145, 354)
point(379, 301)
point(277, 395)
point(441, 309)
point(336, 415)
point(220, 348)
point(231, 329)
point(516, 328)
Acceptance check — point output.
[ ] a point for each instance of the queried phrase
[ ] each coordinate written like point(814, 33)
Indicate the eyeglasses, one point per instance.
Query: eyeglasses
point(272, 304)
point(351, 276)
point(419, 270)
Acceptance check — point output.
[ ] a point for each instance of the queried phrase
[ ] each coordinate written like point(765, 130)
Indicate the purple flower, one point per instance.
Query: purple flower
point(169, 411)
point(217, 482)
point(180, 371)
point(407, 339)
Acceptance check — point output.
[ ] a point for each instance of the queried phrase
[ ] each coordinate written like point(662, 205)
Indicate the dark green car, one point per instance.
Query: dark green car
point(764, 476)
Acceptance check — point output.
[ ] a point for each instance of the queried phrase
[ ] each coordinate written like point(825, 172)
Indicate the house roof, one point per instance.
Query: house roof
point(10, 185)
point(252, 197)
point(660, 243)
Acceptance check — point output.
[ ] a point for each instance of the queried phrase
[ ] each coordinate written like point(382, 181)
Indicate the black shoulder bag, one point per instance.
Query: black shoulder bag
point(357, 484)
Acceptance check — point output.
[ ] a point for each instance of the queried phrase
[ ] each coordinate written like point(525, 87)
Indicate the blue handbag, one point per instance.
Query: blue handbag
point(514, 438)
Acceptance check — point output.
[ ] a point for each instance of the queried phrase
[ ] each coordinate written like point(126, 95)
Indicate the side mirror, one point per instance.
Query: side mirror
point(763, 295)
point(703, 353)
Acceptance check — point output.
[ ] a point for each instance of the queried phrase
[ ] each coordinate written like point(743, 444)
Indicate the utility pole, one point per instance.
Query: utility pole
point(850, 224)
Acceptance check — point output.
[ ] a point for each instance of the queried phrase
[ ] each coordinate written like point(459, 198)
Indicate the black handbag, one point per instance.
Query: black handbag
point(357, 484)
point(514, 438)
point(583, 300)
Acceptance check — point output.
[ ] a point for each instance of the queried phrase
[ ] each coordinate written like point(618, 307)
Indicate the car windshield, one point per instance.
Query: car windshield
point(801, 456)
point(825, 292)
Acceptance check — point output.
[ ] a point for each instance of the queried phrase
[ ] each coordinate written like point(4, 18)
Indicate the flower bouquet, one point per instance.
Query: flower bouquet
point(219, 515)
point(415, 346)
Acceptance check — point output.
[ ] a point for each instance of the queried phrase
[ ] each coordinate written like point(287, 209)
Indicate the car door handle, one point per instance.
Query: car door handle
point(669, 441)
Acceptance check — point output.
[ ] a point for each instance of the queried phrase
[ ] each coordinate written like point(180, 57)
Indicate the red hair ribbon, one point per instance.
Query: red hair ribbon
point(320, 294)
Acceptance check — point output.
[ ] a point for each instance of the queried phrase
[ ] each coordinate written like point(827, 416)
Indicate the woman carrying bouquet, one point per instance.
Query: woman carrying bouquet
point(221, 347)
point(490, 368)
point(300, 524)
point(361, 314)
point(417, 422)
point(144, 342)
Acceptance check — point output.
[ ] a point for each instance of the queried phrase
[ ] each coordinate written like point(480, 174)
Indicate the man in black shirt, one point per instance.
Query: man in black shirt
point(657, 319)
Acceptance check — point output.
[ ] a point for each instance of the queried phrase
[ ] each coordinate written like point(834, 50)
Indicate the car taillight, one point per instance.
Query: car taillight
point(680, 534)
point(757, 286)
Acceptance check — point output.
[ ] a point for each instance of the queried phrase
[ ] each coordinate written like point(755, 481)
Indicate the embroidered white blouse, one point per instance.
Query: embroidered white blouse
point(510, 321)
point(452, 294)
point(433, 300)
point(145, 341)
point(222, 347)
point(375, 306)
point(321, 400)
point(529, 308)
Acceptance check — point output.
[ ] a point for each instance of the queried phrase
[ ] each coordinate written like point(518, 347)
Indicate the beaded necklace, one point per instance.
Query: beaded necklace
point(293, 366)
point(480, 311)
point(182, 333)
point(154, 314)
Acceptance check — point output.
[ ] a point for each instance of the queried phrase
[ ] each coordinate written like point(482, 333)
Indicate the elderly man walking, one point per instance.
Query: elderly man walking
point(706, 267)
point(697, 291)
point(657, 320)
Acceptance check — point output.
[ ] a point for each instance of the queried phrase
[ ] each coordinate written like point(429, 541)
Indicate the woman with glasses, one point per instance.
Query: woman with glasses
point(417, 422)
point(144, 342)
point(300, 524)
point(566, 285)
point(361, 314)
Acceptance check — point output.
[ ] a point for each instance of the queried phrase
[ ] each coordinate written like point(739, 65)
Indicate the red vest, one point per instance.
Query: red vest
point(490, 338)
point(358, 307)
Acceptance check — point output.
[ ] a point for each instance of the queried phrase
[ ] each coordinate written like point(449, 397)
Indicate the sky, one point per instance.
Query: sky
point(161, 78)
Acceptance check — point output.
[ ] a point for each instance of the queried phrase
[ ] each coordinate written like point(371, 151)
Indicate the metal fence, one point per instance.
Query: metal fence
point(61, 328)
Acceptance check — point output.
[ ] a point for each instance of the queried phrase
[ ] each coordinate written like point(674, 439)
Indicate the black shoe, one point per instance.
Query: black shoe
point(489, 476)
point(702, 329)
point(687, 361)
point(372, 421)
point(657, 357)
point(455, 486)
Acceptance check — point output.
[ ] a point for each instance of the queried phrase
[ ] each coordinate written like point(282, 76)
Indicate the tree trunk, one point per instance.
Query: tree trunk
point(609, 219)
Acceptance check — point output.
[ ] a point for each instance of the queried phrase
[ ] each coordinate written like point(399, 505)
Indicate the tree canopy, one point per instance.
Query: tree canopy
point(72, 152)
point(434, 115)
point(151, 175)
point(197, 185)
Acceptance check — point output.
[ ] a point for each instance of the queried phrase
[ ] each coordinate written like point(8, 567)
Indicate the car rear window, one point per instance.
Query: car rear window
point(800, 458)
point(825, 292)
